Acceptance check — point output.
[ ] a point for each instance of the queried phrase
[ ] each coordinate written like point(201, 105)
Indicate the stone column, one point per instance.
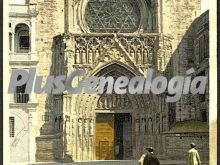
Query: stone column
point(71, 15)
point(73, 136)
point(32, 38)
point(12, 42)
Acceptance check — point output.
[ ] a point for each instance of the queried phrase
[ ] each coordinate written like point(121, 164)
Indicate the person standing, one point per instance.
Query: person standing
point(149, 158)
point(193, 156)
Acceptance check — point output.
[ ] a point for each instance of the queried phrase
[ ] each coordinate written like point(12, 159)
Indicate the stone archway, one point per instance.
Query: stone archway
point(88, 107)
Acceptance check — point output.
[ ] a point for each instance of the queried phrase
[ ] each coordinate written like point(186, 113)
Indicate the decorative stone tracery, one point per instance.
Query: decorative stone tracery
point(140, 49)
point(114, 101)
point(120, 16)
point(112, 16)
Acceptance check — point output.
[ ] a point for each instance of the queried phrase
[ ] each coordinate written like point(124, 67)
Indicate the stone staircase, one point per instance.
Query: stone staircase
point(116, 162)
point(48, 148)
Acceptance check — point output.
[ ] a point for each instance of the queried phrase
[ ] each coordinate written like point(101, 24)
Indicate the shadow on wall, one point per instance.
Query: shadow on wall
point(50, 145)
point(192, 51)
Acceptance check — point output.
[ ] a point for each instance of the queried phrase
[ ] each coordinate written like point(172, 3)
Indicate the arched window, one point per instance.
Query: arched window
point(112, 16)
point(22, 38)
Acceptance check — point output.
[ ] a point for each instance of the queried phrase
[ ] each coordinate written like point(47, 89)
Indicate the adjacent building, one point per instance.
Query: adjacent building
point(23, 55)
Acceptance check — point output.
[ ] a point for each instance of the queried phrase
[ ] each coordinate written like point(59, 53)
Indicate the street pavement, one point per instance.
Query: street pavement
point(116, 162)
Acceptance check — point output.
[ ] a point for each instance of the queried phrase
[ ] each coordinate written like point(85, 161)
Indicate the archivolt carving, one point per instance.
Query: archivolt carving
point(86, 104)
point(114, 101)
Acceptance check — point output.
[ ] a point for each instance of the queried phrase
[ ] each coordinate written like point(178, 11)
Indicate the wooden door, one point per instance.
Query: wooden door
point(105, 137)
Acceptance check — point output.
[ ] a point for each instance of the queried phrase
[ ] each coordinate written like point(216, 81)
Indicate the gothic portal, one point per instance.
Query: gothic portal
point(117, 38)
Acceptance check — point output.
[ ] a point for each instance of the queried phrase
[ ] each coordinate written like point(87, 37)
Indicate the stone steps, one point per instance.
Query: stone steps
point(116, 162)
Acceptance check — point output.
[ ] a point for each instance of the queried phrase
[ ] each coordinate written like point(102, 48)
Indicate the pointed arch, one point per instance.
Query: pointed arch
point(114, 69)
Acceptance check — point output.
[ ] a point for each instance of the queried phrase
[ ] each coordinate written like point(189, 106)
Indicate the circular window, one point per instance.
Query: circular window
point(112, 16)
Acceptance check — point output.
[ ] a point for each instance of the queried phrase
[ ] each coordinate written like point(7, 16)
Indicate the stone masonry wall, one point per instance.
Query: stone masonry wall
point(177, 145)
point(49, 23)
point(177, 17)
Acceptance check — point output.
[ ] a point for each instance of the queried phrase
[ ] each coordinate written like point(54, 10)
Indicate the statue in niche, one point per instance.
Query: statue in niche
point(80, 126)
point(106, 102)
point(112, 100)
point(102, 101)
point(143, 124)
point(127, 105)
point(124, 100)
point(146, 125)
point(91, 130)
point(99, 104)
point(137, 125)
point(77, 57)
point(132, 53)
point(138, 57)
point(145, 56)
point(84, 59)
point(118, 101)
point(109, 101)
point(150, 125)
point(86, 126)
point(96, 54)
point(158, 124)
point(90, 56)
point(150, 58)
point(73, 127)
point(164, 123)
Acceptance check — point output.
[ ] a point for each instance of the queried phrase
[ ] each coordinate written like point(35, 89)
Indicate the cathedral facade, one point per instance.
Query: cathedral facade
point(108, 38)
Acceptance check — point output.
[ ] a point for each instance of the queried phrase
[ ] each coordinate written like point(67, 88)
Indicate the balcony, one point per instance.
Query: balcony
point(25, 58)
point(21, 98)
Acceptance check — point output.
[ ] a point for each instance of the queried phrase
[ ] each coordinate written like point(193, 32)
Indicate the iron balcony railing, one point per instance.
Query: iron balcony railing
point(21, 98)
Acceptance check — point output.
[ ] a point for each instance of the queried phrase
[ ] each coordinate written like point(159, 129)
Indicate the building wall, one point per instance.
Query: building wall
point(20, 140)
point(192, 52)
point(201, 62)
point(58, 25)
point(192, 107)
point(178, 145)
point(176, 17)
point(22, 106)
point(49, 23)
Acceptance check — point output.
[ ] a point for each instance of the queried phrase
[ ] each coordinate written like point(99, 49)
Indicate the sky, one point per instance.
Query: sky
point(204, 4)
